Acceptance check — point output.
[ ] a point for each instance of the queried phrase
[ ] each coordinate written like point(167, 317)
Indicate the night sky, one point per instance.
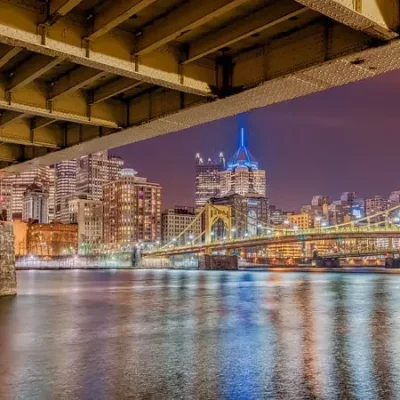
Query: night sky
point(343, 139)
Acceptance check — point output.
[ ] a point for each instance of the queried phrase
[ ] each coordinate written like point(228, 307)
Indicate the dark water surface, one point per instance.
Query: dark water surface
point(200, 335)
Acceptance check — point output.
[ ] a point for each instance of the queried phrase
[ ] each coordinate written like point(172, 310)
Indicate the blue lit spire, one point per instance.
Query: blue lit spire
point(242, 157)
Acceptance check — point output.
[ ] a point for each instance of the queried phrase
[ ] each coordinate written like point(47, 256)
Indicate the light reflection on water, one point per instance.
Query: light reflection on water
point(202, 335)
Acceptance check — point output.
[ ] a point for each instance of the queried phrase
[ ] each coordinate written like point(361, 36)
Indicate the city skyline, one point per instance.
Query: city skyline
point(293, 142)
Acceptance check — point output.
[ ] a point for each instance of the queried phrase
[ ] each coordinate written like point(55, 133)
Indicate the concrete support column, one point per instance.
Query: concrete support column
point(8, 282)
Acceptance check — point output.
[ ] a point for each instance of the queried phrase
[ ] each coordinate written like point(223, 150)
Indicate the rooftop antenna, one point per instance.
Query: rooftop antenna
point(242, 137)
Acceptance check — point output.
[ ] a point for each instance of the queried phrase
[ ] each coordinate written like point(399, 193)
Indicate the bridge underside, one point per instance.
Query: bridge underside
point(79, 76)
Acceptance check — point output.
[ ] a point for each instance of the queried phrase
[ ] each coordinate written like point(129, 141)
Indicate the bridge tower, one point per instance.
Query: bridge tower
point(214, 213)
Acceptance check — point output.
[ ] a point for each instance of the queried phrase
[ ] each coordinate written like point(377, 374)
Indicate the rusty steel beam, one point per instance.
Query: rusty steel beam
point(113, 13)
point(59, 8)
point(113, 88)
point(112, 53)
point(41, 122)
point(55, 114)
point(8, 117)
point(75, 80)
point(377, 18)
point(7, 53)
point(10, 152)
point(188, 16)
point(32, 69)
point(254, 23)
point(23, 142)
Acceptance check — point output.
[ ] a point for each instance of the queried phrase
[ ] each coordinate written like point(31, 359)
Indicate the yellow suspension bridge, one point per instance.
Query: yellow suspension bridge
point(382, 225)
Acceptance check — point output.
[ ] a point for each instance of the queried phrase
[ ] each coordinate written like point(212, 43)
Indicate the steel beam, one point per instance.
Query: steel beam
point(113, 13)
point(8, 117)
point(254, 23)
point(27, 142)
point(187, 17)
point(41, 122)
point(10, 152)
point(75, 80)
point(113, 88)
point(31, 70)
point(377, 18)
point(59, 8)
point(112, 53)
point(7, 53)
point(54, 114)
point(151, 116)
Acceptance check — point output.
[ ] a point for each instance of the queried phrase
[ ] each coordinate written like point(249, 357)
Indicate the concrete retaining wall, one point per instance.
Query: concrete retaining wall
point(8, 282)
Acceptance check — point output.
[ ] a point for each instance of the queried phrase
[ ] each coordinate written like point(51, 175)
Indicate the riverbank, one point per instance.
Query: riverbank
point(352, 270)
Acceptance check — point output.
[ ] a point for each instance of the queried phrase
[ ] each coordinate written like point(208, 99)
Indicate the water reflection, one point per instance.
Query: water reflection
point(200, 335)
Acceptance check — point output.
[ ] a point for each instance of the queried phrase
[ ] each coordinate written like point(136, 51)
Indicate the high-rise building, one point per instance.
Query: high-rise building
point(375, 205)
point(348, 197)
point(242, 175)
point(52, 189)
point(207, 179)
point(356, 204)
point(65, 177)
point(94, 171)
point(300, 221)
point(19, 184)
point(339, 212)
point(249, 215)
point(176, 220)
point(132, 211)
point(36, 204)
point(5, 199)
point(318, 211)
point(394, 198)
point(276, 215)
point(319, 200)
point(88, 214)
point(358, 208)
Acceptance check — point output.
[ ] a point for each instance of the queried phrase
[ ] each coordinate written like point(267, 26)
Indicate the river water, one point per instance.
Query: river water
point(200, 335)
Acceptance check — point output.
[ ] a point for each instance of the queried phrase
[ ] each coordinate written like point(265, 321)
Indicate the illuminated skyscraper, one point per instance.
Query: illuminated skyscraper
point(176, 220)
point(65, 176)
point(88, 214)
point(207, 179)
point(242, 175)
point(132, 210)
point(95, 170)
point(394, 198)
point(52, 189)
point(36, 204)
point(5, 199)
point(375, 205)
point(20, 183)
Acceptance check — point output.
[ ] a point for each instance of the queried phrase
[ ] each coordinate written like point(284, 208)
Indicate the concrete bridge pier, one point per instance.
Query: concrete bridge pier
point(391, 262)
point(8, 281)
point(218, 262)
point(328, 262)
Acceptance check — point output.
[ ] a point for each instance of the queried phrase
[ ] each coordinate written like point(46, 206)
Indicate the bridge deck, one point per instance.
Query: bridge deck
point(306, 236)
